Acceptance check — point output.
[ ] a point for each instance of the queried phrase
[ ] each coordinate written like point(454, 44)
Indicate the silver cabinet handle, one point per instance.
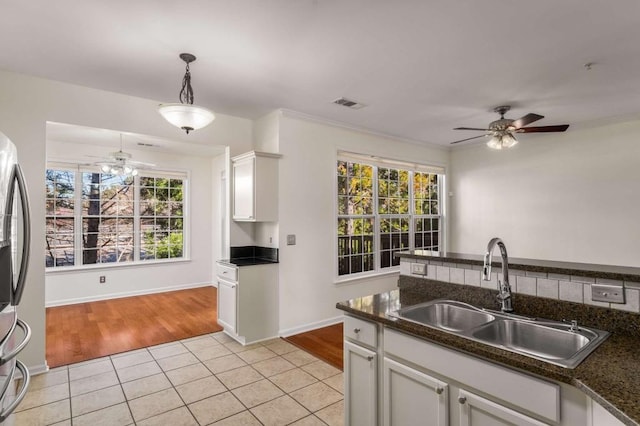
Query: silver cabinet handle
point(439, 391)
point(27, 336)
point(26, 237)
point(26, 378)
point(462, 400)
point(356, 330)
point(369, 358)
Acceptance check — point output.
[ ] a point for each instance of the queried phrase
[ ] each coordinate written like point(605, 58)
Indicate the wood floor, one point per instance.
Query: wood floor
point(91, 330)
point(325, 343)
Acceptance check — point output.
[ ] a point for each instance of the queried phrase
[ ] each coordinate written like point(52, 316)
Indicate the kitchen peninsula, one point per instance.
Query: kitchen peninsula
point(607, 378)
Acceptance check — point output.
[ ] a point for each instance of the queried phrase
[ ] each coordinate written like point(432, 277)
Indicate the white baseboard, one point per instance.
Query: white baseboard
point(34, 370)
point(311, 326)
point(99, 297)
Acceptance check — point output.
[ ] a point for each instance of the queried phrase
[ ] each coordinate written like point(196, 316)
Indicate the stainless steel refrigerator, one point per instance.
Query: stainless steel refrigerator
point(14, 261)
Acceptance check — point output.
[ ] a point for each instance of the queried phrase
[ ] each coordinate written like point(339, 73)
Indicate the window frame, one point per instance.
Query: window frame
point(378, 162)
point(78, 170)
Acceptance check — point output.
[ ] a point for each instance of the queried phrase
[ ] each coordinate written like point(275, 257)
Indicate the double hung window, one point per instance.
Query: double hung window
point(383, 207)
point(100, 218)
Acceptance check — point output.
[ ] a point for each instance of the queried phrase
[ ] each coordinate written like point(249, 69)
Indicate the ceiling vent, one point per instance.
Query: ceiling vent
point(145, 144)
point(349, 103)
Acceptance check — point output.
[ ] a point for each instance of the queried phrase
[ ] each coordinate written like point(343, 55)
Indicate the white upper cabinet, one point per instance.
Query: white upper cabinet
point(255, 187)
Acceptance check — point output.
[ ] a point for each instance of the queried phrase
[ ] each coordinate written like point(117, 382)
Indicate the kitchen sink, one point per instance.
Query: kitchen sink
point(446, 315)
point(555, 342)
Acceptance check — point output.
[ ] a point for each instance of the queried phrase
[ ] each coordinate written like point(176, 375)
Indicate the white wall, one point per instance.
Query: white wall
point(308, 293)
point(570, 197)
point(26, 104)
point(63, 287)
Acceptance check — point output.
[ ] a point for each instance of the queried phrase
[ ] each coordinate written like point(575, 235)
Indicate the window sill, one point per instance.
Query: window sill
point(102, 266)
point(360, 278)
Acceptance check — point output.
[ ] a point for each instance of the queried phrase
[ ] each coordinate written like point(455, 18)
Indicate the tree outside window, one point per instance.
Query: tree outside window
point(99, 218)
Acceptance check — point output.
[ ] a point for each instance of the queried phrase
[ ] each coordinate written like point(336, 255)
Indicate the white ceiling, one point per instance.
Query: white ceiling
point(422, 67)
point(107, 141)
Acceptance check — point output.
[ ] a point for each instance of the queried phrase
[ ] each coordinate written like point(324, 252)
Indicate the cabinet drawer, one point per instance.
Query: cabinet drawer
point(361, 331)
point(229, 273)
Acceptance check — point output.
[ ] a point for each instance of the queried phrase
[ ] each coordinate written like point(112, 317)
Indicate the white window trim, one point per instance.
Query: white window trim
point(78, 169)
point(377, 161)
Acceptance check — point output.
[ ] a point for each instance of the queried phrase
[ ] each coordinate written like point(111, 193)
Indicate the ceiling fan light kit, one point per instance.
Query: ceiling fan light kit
point(185, 115)
point(120, 163)
point(502, 130)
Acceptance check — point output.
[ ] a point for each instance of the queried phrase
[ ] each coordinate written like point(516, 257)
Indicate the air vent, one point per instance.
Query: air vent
point(145, 144)
point(349, 103)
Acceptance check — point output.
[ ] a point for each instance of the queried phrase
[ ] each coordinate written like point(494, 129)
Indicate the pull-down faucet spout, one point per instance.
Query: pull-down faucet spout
point(504, 289)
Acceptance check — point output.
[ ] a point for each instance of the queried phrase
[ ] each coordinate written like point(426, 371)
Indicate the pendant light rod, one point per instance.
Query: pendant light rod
point(186, 94)
point(185, 115)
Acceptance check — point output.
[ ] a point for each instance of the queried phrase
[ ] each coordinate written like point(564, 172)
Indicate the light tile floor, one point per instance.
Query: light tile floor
point(205, 380)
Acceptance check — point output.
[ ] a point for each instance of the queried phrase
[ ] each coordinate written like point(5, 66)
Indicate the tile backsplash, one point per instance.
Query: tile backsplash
point(570, 288)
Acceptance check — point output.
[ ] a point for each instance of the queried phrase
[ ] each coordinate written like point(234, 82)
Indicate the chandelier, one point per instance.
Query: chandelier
point(185, 115)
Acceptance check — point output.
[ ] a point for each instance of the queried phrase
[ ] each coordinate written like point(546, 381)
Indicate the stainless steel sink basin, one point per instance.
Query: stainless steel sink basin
point(551, 341)
point(446, 315)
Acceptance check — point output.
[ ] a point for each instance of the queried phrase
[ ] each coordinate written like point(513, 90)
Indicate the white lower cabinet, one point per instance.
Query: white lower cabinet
point(410, 395)
point(478, 411)
point(360, 391)
point(248, 301)
point(227, 304)
point(395, 379)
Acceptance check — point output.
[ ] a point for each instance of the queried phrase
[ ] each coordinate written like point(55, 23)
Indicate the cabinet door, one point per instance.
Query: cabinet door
point(227, 305)
point(244, 189)
point(412, 397)
point(360, 396)
point(478, 411)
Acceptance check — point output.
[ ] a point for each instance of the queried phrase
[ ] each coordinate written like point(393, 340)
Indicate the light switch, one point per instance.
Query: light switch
point(291, 240)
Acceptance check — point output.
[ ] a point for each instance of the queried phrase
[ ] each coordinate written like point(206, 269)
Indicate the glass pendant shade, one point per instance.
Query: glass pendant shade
point(115, 169)
point(186, 116)
point(506, 140)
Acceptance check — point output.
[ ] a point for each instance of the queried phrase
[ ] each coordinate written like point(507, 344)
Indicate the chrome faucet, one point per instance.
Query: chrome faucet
point(504, 289)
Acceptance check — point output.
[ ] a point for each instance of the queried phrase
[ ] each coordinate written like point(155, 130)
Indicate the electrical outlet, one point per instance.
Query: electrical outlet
point(607, 293)
point(291, 240)
point(419, 268)
point(103, 279)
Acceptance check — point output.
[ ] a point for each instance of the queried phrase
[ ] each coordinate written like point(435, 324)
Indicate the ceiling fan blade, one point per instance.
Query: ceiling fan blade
point(543, 129)
point(468, 139)
point(141, 163)
point(527, 119)
point(471, 128)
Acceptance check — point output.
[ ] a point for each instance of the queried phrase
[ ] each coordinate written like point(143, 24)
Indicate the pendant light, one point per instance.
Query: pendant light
point(185, 115)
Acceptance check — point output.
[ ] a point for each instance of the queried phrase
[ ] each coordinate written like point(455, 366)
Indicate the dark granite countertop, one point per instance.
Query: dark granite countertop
point(248, 261)
point(612, 272)
point(609, 375)
point(251, 255)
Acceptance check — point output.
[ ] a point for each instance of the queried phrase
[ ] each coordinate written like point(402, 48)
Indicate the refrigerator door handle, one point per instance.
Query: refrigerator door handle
point(26, 235)
point(8, 207)
point(26, 378)
point(4, 358)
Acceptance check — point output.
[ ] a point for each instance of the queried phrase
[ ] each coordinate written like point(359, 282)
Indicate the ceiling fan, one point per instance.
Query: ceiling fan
point(120, 163)
point(502, 130)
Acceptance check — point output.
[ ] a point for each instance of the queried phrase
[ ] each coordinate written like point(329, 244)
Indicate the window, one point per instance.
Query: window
point(100, 218)
point(161, 218)
point(385, 207)
point(60, 223)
